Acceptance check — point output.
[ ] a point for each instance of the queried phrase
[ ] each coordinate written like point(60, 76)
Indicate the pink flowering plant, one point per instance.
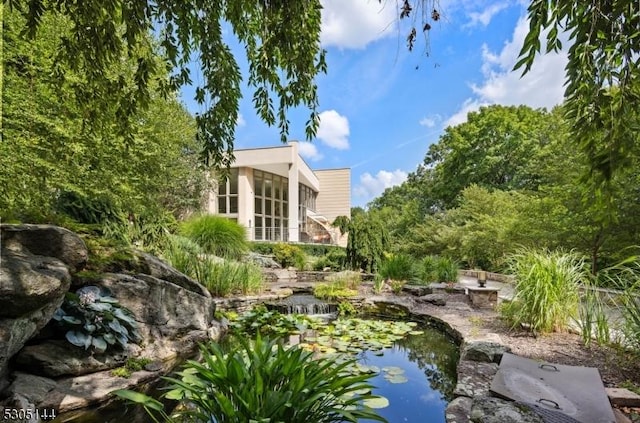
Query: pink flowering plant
point(93, 319)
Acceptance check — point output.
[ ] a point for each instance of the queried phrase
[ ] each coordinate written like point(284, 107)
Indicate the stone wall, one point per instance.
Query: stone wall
point(498, 277)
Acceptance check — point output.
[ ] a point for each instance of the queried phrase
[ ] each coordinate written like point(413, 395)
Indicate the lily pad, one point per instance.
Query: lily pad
point(392, 370)
point(396, 378)
point(376, 402)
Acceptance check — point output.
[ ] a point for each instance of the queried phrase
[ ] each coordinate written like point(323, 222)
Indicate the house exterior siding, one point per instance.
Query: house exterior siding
point(278, 197)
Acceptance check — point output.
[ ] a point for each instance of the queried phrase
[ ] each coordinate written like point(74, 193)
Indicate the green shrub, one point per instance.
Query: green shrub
point(447, 270)
point(94, 319)
point(346, 279)
point(264, 382)
point(427, 269)
point(335, 260)
point(216, 235)
point(333, 291)
point(397, 285)
point(546, 289)
point(288, 255)
point(399, 267)
point(221, 277)
point(149, 232)
point(90, 210)
point(345, 309)
point(315, 250)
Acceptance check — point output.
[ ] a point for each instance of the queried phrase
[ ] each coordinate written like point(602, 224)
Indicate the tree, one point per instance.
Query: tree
point(47, 153)
point(281, 40)
point(367, 241)
point(603, 72)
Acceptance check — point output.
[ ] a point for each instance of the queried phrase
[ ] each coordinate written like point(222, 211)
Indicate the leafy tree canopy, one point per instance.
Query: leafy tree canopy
point(281, 39)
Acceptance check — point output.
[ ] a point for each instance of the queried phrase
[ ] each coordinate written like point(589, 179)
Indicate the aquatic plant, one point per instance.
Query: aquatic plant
point(262, 381)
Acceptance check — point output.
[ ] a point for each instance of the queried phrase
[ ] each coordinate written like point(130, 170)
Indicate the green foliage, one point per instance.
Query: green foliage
point(592, 317)
point(367, 241)
point(602, 90)
point(399, 267)
point(342, 223)
point(315, 250)
point(333, 291)
point(147, 232)
point(281, 40)
point(378, 283)
point(346, 309)
point(427, 269)
point(397, 285)
point(52, 158)
point(447, 270)
point(94, 319)
point(131, 365)
point(221, 277)
point(216, 235)
point(259, 320)
point(289, 255)
point(334, 259)
point(263, 381)
point(346, 279)
point(546, 290)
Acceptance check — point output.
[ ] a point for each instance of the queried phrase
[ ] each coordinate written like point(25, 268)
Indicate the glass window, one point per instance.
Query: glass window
point(285, 210)
point(285, 191)
point(258, 186)
point(233, 204)
point(258, 205)
point(267, 187)
point(222, 188)
point(222, 204)
point(267, 207)
point(277, 208)
point(233, 181)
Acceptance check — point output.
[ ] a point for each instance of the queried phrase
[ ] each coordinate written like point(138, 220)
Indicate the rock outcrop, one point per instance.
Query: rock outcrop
point(32, 285)
point(172, 311)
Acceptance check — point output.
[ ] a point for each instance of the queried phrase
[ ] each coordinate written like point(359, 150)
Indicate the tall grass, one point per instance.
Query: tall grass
point(398, 267)
point(546, 290)
point(217, 235)
point(625, 277)
point(447, 269)
point(427, 269)
point(220, 276)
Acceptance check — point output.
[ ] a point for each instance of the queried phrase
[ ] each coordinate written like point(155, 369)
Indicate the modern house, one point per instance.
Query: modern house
point(274, 193)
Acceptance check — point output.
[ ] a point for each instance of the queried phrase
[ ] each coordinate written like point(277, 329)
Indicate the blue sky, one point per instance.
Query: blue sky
point(382, 106)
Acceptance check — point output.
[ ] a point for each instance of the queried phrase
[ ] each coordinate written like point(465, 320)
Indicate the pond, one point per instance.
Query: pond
point(428, 363)
point(416, 374)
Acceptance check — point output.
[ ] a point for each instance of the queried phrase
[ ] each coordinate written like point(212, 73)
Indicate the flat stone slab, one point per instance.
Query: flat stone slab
point(575, 391)
point(623, 397)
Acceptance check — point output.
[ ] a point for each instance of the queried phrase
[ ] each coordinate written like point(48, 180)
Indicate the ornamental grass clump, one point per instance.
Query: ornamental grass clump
point(217, 235)
point(546, 289)
point(263, 381)
point(398, 267)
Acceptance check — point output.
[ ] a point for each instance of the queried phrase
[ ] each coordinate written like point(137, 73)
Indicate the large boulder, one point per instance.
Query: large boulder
point(56, 358)
point(495, 410)
point(47, 240)
point(31, 289)
point(486, 351)
point(171, 319)
point(153, 266)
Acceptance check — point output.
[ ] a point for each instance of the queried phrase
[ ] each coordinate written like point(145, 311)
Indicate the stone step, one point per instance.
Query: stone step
point(623, 397)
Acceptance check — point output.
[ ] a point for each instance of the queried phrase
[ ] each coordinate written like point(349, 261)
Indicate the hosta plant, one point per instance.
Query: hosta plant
point(95, 320)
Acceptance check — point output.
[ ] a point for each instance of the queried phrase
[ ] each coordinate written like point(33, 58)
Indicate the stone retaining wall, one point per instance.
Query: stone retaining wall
point(498, 277)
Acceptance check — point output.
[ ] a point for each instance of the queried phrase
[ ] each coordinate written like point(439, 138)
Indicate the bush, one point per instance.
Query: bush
point(447, 270)
point(398, 267)
point(546, 289)
point(149, 232)
point(264, 382)
point(333, 291)
point(221, 277)
point(346, 279)
point(217, 235)
point(427, 269)
point(288, 255)
point(335, 260)
point(94, 319)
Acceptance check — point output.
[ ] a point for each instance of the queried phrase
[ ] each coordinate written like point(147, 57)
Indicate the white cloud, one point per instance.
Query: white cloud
point(371, 186)
point(431, 120)
point(484, 17)
point(309, 151)
point(240, 122)
point(356, 23)
point(333, 130)
point(541, 87)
